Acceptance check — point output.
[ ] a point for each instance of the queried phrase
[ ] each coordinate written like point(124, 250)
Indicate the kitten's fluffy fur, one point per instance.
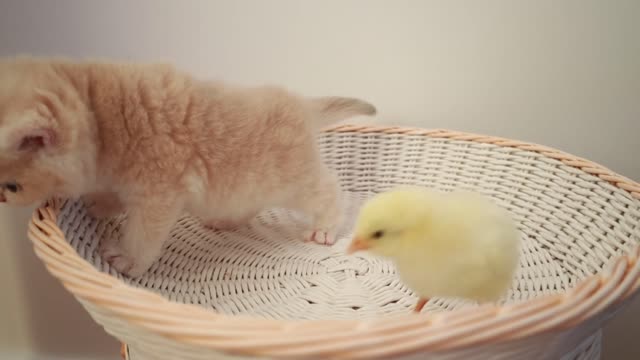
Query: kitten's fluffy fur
point(153, 141)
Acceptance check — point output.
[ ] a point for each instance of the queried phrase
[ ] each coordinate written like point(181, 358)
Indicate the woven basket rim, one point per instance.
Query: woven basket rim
point(380, 337)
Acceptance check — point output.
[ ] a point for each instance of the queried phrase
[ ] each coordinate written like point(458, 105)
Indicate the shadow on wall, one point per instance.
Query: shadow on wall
point(56, 322)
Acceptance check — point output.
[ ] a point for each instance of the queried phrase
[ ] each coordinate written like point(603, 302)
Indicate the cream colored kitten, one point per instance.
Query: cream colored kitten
point(153, 141)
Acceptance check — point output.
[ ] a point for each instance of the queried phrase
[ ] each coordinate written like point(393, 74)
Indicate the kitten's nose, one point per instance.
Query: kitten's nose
point(2, 198)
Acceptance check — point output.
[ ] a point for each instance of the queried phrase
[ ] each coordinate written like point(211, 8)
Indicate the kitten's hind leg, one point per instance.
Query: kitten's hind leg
point(319, 199)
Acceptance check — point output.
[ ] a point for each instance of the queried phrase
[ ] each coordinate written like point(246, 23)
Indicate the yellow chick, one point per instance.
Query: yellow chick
point(458, 244)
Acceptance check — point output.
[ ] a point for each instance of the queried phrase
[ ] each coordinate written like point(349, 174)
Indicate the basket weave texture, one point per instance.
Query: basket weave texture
point(258, 291)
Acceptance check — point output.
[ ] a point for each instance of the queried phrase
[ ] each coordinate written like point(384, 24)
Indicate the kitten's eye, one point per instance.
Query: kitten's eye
point(378, 234)
point(12, 187)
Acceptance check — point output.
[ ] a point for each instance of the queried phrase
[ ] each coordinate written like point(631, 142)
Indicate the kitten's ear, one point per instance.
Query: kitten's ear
point(34, 139)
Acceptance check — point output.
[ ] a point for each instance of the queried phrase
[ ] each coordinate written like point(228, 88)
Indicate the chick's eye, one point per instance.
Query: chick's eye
point(378, 234)
point(12, 187)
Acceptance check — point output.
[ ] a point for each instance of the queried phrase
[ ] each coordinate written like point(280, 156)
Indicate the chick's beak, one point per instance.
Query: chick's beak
point(357, 244)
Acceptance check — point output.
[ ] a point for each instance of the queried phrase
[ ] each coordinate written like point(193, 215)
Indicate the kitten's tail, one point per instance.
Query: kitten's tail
point(332, 109)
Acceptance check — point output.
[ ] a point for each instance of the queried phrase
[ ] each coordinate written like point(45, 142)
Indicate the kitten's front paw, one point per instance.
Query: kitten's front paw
point(321, 237)
point(122, 262)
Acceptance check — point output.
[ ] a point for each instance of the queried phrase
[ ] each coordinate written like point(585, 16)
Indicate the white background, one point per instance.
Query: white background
point(560, 73)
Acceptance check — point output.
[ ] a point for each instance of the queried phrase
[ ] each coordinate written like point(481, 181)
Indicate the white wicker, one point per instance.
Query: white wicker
point(261, 292)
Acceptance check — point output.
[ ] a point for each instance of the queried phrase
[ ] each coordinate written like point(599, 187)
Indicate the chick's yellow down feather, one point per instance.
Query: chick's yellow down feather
point(444, 244)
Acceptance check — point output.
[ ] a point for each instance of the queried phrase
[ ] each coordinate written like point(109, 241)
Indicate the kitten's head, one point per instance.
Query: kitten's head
point(41, 119)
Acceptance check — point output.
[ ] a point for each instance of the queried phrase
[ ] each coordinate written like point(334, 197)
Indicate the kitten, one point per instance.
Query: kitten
point(153, 141)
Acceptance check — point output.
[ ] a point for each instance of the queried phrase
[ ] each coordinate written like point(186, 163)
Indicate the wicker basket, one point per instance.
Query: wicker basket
point(259, 291)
